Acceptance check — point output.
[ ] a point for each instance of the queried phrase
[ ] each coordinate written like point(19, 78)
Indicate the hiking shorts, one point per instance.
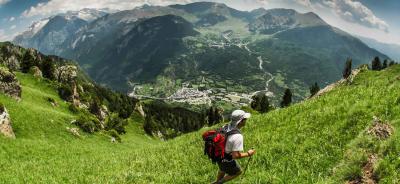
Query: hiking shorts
point(230, 167)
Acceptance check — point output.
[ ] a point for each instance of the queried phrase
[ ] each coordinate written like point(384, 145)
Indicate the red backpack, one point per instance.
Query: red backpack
point(214, 143)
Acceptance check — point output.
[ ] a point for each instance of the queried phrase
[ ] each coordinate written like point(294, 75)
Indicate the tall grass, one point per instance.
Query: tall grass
point(322, 140)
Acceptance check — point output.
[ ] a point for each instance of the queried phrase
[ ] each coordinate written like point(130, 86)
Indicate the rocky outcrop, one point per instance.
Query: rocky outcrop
point(349, 80)
point(75, 95)
point(5, 123)
point(36, 72)
point(74, 131)
point(9, 84)
point(67, 74)
point(10, 56)
point(103, 113)
point(139, 108)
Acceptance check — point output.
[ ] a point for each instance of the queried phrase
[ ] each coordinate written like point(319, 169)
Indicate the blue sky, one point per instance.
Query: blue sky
point(377, 19)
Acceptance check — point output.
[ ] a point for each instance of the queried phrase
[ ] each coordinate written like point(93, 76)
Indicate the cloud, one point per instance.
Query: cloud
point(306, 3)
point(11, 19)
point(59, 6)
point(3, 36)
point(2, 2)
point(356, 12)
point(13, 27)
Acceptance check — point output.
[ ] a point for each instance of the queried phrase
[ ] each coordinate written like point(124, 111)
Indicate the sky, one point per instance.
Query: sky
point(376, 19)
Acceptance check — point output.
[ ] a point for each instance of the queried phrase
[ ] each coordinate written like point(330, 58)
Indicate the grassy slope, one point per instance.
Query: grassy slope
point(44, 151)
point(317, 141)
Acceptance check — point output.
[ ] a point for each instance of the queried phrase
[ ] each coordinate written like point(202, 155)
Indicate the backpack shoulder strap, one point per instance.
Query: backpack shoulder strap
point(234, 131)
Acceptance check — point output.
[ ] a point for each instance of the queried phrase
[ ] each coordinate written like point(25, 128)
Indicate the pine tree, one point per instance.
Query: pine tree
point(48, 69)
point(218, 115)
point(376, 64)
point(211, 116)
point(27, 62)
point(392, 63)
point(264, 104)
point(347, 68)
point(256, 102)
point(385, 64)
point(287, 98)
point(314, 89)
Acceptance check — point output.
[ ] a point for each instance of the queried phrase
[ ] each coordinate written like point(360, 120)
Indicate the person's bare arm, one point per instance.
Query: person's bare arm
point(238, 154)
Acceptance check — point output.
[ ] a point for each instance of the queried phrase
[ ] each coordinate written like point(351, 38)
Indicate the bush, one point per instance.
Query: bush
point(51, 100)
point(88, 123)
point(114, 134)
point(114, 122)
point(73, 108)
point(48, 69)
point(2, 108)
point(27, 62)
point(65, 92)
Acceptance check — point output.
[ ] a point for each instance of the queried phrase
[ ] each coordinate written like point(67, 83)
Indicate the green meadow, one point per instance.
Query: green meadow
point(322, 140)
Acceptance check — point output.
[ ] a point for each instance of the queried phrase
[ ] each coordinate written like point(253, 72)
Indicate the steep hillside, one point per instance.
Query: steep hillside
point(329, 139)
point(49, 35)
point(98, 109)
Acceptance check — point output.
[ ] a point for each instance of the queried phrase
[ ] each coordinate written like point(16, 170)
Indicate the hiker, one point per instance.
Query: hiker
point(229, 167)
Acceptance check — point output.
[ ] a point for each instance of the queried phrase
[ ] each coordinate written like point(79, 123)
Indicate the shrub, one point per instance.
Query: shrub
point(114, 134)
point(51, 100)
point(88, 123)
point(73, 108)
point(2, 108)
point(27, 62)
point(114, 122)
point(65, 92)
point(48, 69)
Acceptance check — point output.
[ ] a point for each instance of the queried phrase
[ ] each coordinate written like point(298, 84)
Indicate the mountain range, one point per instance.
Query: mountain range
point(204, 44)
point(392, 50)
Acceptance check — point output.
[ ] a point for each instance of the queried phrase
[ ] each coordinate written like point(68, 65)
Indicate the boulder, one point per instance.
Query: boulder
point(74, 131)
point(36, 72)
point(5, 123)
point(13, 63)
point(9, 84)
point(10, 56)
point(75, 95)
point(103, 112)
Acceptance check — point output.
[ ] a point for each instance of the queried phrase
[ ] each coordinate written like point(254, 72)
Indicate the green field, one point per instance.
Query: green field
point(322, 140)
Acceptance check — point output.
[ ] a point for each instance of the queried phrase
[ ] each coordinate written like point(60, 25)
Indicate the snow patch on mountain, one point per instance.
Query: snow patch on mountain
point(37, 26)
point(86, 14)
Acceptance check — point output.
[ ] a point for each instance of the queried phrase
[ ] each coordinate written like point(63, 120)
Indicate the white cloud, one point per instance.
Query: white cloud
point(11, 19)
point(2, 2)
point(13, 27)
point(349, 15)
point(3, 36)
point(354, 11)
point(58, 6)
point(306, 3)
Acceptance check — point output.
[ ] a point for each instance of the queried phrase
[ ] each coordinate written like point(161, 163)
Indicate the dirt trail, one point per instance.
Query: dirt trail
point(367, 172)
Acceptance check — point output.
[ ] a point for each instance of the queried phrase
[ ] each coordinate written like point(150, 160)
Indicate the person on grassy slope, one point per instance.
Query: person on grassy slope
point(228, 167)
